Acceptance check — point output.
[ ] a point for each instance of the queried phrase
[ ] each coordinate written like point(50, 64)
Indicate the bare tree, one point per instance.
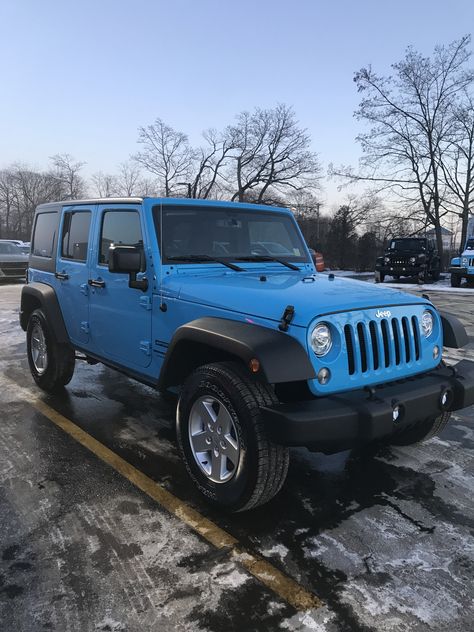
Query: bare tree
point(208, 163)
point(410, 117)
point(167, 154)
point(66, 171)
point(270, 153)
point(128, 179)
point(457, 164)
point(105, 184)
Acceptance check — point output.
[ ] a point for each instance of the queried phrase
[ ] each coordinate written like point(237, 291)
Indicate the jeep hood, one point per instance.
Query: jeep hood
point(311, 295)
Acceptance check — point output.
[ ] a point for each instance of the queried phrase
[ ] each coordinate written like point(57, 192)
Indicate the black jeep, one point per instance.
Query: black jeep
point(409, 257)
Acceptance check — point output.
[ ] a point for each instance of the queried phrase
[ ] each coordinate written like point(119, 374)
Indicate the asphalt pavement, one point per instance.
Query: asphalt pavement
point(100, 528)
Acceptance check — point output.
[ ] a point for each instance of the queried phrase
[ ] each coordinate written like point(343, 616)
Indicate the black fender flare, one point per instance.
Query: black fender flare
point(454, 333)
point(42, 295)
point(282, 358)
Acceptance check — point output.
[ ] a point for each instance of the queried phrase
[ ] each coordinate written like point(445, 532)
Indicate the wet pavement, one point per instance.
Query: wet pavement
point(385, 540)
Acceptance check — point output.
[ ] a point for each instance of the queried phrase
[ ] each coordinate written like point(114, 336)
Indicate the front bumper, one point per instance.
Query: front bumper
point(464, 272)
point(400, 269)
point(340, 422)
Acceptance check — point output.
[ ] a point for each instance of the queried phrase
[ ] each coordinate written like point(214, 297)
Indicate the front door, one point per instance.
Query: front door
point(120, 317)
point(72, 271)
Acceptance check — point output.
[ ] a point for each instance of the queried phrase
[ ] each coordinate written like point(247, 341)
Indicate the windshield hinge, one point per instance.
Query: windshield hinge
point(287, 317)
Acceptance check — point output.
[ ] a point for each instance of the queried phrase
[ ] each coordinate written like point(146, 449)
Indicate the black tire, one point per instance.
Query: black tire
point(379, 277)
point(421, 278)
point(59, 360)
point(435, 274)
point(262, 465)
point(423, 431)
point(455, 280)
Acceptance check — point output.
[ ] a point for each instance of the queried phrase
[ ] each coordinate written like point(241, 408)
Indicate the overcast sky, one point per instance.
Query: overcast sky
point(81, 77)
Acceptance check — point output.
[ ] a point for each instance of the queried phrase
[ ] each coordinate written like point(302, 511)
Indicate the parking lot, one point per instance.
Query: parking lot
point(101, 530)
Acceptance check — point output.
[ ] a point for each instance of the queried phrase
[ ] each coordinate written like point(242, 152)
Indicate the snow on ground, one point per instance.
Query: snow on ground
point(443, 285)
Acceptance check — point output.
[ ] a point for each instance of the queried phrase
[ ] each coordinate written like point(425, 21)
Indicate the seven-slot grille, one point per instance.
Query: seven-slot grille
point(470, 261)
point(380, 344)
point(399, 260)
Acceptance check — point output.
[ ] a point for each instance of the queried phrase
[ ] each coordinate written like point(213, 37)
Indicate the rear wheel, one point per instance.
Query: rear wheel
point(435, 274)
point(51, 364)
point(222, 438)
point(423, 430)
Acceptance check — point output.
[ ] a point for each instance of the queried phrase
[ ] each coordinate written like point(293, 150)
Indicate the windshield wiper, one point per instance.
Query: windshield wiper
point(200, 258)
point(266, 258)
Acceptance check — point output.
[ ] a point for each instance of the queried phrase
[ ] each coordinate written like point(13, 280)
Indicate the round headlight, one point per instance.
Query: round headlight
point(386, 259)
point(412, 259)
point(427, 323)
point(321, 339)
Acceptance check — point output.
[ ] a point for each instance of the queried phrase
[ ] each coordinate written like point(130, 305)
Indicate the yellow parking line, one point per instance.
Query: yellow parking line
point(281, 584)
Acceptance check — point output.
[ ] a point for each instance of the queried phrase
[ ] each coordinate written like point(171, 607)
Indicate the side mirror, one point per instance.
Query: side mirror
point(129, 260)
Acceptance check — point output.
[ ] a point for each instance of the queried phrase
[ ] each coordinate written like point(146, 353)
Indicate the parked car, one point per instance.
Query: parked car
point(409, 257)
point(13, 260)
point(264, 352)
point(462, 267)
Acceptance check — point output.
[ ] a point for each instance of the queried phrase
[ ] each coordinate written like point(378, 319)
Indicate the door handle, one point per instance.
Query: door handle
point(61, 275)
point(96, 283)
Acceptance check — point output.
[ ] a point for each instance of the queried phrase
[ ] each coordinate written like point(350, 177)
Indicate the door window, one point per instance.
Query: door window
point(75, 237)
point(119, 228)
point(45, 230)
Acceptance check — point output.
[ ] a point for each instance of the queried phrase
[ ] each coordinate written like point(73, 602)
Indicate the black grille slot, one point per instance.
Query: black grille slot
point(350, 349)
point(386, 343)
point(396, 340)
point(406, 338)
point(375, 344)
point(416, 336)
point(362, 346)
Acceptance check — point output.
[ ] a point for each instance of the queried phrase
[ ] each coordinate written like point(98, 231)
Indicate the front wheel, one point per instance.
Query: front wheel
point(455, 280)
point(379, 277)
point(51, 364)
point(422, 431)
point(222, 437)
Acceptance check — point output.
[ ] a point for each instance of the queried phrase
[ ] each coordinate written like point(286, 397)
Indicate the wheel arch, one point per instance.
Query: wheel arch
point(281, 357)
point(40, 295)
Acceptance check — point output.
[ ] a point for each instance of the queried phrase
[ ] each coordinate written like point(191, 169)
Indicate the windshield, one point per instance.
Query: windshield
point(228, 234)
point(407, 244)
point(470, 244)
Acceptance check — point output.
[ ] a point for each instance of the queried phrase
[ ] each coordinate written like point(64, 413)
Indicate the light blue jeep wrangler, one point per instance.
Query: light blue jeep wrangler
point(462, 267)
point(221, 302)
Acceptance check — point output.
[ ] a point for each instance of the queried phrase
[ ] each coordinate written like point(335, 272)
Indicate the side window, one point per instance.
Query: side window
point(44, 235)
point(6, 249)
point(75, 237)
point(119, 228)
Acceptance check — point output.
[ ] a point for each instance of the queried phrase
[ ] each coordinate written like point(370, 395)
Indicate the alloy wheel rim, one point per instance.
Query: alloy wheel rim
point(39, 353)
point(213, 439)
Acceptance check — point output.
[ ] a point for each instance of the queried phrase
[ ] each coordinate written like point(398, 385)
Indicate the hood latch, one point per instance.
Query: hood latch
point(287, 317)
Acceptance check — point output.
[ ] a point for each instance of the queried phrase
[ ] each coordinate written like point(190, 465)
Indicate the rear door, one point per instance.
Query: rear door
point(72, 271)
point(120, 317)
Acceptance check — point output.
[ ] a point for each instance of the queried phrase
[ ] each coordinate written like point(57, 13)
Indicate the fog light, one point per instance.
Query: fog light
point(324, 376)
point(445, 399)
point(435, 352)
point(396, 413)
